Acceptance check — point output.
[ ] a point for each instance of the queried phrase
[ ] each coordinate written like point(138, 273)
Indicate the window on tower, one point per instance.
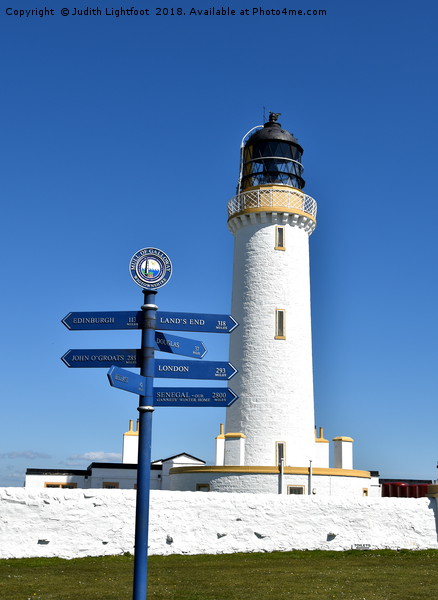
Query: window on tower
point(279, 238)
point(280, 324)
point(280, 450)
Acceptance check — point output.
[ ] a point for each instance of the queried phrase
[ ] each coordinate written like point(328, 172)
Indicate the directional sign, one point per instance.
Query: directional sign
point(194, 397)
point(127, 380)
point(124, 319)
point(102, 358)
point(190, 369)
point(171, 321)
point(178, 369)
point(168, 321)
point(179, 345)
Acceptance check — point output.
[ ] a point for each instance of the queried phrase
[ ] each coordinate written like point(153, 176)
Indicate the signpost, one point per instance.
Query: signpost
point(150, 269)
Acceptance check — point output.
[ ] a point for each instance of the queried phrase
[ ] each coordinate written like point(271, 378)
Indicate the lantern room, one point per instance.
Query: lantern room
point(271, 156)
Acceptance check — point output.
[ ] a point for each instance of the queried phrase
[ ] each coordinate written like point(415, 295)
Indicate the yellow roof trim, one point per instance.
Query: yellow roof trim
point(235, 435)
point(268, 470)
point(343, 438)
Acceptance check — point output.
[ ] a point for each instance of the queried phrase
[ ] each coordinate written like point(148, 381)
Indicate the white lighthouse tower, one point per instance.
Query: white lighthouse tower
point(271, 219)
point(269, 443)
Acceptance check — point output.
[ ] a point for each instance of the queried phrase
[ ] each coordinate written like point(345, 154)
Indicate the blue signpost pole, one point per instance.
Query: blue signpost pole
point(145, 409)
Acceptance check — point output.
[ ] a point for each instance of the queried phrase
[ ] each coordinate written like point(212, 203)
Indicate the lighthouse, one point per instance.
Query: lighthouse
point(269, 443)
point(271, 219)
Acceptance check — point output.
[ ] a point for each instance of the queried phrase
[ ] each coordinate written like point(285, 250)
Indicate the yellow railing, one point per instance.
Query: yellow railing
point(275, 199)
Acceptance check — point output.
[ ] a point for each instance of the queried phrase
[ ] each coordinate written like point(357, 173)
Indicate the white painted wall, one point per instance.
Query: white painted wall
point(343, 453)
point(38, 481)
point(265, 483)
point(321, 456)
point(75, 523)
point(130, 448)
point(126, 478)
point(234, 450)
point(181, 460)
point(220, 450)
point(275, 379)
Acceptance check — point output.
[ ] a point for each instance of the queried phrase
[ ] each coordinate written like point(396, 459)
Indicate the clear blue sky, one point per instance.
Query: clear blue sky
point(121, 133)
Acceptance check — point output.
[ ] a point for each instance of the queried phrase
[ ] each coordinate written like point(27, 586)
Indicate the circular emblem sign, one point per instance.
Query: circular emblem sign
point(150, 268)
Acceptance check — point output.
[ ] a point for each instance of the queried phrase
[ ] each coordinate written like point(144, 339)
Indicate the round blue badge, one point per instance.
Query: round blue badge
point(150, 268)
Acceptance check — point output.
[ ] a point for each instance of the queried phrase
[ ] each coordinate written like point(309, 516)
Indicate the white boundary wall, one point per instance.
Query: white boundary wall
point(75, 523)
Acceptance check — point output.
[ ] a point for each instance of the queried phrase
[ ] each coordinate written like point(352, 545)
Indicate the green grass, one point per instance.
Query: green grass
point(354, 575)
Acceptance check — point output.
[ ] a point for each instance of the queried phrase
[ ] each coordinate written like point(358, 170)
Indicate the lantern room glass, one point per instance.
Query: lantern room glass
point(272, 162)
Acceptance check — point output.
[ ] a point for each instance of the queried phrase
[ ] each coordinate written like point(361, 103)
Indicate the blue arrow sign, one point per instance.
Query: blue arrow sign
point(194, 397)
point(102, 358)
point(171, 321)
point(190, 369)
point(127, 380)
point(179, 345)
point(178, 369)
point(103, 320)
point(168, 321)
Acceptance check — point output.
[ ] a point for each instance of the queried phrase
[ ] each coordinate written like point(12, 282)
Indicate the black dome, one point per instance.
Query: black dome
point(273, 131)
point(271, 156)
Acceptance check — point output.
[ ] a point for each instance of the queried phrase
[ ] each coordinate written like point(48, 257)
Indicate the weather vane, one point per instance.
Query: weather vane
point(273, 117)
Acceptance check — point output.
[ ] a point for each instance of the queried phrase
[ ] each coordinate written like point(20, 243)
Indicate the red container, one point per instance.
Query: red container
point(398, 490)
point(401, 489)
point(386, 490)
point(413, 490)
point(422, 490)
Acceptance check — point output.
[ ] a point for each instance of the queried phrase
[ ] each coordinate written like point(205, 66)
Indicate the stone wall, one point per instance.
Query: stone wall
point(75, 523)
